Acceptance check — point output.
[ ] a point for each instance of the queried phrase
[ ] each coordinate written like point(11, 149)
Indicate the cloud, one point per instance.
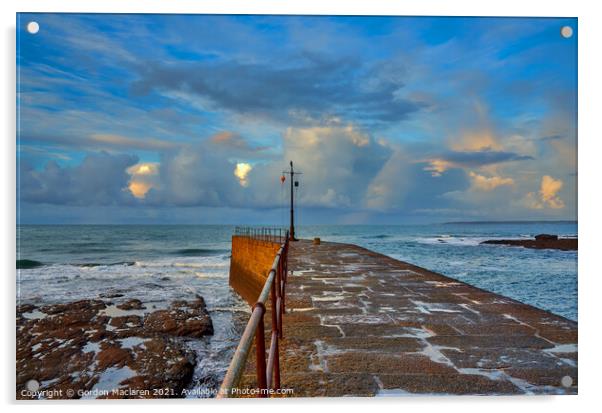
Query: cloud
point(340, 163)
point(531, 201)
point(485, 183)
point(373, 126)
point(95, 142)
point(548, 195)
point(100, 179)
point(234, 141)
point(302, 86)
point(477, 141)
point(143, 178)
point(552, 137)
point(549, 190)
point(130, 143)
point(344, 167)
point(453, 159)
point(241, 172)
point(437, 166)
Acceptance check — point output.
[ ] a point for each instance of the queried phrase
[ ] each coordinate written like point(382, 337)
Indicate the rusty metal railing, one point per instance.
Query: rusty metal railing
point(262, 233)
point(268, 374)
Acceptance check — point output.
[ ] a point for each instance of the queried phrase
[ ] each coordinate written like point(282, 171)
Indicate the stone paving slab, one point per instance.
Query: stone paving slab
point(362, 324)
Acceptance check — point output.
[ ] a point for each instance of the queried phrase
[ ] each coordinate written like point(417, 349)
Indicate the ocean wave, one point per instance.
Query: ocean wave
point(198, 252)
point(211, 275)
point(213, 262)
point(27, 264)
point(98, 264)
point(451, 240)
point(379, 236)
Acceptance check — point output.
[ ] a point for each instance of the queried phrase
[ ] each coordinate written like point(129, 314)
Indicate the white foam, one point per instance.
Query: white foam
point(111, 378)
point(131, 342)
point(34, 315)
point(113, 311)
point(91, 347)
point(563, 348)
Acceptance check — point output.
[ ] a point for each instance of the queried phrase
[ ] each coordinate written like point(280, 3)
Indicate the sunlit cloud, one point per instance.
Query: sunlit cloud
point(241, 172)
point(437, 166)
point(547, 196)
point(485, 183)
point(127, 142)
point(549, 190)
point(470, 159)
point(476, 141)
point(139, 189)
point(143, 178)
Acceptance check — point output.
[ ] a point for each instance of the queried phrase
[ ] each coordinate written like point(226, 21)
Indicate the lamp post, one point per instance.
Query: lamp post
point(294, 184)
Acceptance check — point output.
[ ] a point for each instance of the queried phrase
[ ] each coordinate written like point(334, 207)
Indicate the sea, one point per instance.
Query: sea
point(161, 263)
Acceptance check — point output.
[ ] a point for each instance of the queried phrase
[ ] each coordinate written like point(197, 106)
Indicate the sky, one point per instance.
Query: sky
point(180, 119)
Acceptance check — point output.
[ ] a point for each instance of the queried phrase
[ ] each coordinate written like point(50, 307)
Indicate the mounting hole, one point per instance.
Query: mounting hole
point(32, 385)
point(566, 381)
point(33, 27)
point(566, 32)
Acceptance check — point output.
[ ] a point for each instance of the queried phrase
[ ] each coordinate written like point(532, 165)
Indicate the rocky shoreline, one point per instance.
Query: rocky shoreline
point(99, 349)
point(541, 241)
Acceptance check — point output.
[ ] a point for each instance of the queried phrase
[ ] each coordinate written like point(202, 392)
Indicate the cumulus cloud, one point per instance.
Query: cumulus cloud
point(488, 183)
point(143, 178)
point(100, 179)
point(241, 172)
point(341, 165)
point(340, 161)
point(549, 190)
point(547, 195)
point(344, 167)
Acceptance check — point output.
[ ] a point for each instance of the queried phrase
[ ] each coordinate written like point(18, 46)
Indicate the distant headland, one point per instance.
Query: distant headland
point(511, 222)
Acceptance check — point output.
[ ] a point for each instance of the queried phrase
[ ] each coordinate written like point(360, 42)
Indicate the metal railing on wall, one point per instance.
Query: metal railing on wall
point(262, 233)
point(268, 372)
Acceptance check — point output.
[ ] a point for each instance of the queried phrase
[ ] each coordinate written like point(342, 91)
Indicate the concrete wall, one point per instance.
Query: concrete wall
point(249, 265)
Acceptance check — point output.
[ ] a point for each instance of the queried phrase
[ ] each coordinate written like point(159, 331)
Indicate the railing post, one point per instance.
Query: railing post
point(279, 284)
point(277, 365)
point(284, 275)
point(276, 302)
point(276, 332)
point(260, 352)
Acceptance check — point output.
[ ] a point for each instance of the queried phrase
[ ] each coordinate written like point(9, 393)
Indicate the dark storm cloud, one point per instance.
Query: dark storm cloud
point(101, 179)
point(481, 158)
point(310, 88)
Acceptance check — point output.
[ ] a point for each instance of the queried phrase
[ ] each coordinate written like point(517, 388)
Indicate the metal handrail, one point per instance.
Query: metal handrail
point(272, 234)
point(268, 376)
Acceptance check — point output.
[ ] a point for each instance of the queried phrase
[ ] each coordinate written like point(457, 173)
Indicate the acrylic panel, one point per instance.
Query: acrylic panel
point(295, 206)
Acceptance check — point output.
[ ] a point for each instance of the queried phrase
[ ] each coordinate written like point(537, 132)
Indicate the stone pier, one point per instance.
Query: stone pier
point(359, 323)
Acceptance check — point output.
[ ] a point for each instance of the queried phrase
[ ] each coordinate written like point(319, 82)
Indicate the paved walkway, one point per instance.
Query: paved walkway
point(361, 324)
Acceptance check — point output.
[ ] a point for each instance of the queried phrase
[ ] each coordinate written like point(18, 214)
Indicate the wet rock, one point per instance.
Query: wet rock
point(546, 237)
point(132, 304)
point(181, 319)
point(542, 241)
point(25, 308)
point(126, 322)
point(73, 348)
point(113, 356)
point(110, 295)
